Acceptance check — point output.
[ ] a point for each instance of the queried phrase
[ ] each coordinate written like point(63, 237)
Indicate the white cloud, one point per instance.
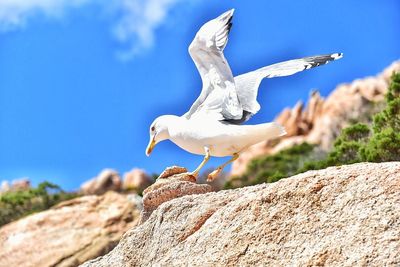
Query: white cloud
point(134, 25)
point(139, 20)
point(15, 13)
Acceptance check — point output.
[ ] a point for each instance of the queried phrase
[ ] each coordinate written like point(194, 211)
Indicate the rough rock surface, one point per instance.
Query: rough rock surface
point(340, 216)
point(136, 180)
point(70, 233)
point(107, 180)
point(321, 121)
point(174, 182)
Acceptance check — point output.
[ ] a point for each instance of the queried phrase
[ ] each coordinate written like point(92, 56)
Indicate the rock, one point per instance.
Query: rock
point(5, 187)
point(20, 184)
point(322, 120)
point(107, 180)
point(300, 120)
point(16, 185)
point(68, 234)
point(136, 180)
point(313, 110)
point(172, 171)
point(340, 216)
point(174, 182)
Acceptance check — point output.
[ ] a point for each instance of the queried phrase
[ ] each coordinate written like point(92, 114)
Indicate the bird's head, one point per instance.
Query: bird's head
point(159, 131)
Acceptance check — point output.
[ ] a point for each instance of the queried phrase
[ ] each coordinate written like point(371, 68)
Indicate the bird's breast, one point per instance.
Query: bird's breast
point(195, 136)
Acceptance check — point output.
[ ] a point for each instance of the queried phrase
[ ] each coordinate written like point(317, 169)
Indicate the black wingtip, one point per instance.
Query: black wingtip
point(230, 20)
point(337, 56)
point(229, 27)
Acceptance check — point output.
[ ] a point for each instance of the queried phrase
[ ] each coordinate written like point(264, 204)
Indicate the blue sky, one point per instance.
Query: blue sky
point(81, 80)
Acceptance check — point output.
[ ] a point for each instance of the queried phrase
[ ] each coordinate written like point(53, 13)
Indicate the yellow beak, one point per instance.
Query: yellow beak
point(151, 145)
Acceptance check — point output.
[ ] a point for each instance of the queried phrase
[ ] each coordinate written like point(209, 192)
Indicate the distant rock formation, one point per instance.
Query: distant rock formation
point(340, 216)
point(107, 180)
point(5, 187)
point(16, 185)
point(70, 233)
point(136, 180)
point(322, 120)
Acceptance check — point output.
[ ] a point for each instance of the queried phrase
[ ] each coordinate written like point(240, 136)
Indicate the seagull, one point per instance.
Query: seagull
point(213, 126)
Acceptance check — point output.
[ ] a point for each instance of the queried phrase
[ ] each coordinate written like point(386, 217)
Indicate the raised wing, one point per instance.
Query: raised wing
point(247, 84)
point(218, 97)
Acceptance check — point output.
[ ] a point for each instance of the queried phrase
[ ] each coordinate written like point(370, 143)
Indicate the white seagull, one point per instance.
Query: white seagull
point(212, 126)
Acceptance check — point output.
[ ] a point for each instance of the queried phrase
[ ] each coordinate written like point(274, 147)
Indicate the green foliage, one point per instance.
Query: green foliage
point(359, 142)
point(272, 168)
point(17, 204)
point(384, 144)
point(347, 146)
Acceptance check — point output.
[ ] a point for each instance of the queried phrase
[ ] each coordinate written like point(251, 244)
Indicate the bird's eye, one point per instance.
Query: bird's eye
point(153, 128)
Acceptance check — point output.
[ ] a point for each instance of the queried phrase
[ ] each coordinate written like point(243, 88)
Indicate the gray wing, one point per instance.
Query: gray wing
point(218, 97)
point(247, 84)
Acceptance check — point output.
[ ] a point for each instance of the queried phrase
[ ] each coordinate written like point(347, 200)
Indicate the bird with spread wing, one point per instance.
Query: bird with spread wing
point(213, 125)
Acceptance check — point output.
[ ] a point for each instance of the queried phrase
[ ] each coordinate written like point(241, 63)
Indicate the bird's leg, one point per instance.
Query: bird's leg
point(217, 171)
point(195, 173)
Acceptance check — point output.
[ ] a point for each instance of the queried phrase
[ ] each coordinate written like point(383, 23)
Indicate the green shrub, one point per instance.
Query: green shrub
point(384, 144)
point(273, 167)
point(347, 146)
point(17, 204)
point(359, 142)
point(376, 143)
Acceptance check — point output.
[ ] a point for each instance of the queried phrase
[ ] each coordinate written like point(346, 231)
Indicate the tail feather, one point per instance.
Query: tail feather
point(265, 132)
point(276, 130)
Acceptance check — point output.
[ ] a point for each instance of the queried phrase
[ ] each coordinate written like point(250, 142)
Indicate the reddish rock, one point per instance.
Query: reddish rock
point(340, 216)
point(136, 180)
point(107, 180)
point(70, 233)
point(20, 184)
point(16, 185)
point(174, 182)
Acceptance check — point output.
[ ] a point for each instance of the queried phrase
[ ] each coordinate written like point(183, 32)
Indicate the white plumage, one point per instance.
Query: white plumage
point(212, 126)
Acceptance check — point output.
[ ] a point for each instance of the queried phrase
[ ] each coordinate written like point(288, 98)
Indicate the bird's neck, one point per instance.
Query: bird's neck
point(175, 123)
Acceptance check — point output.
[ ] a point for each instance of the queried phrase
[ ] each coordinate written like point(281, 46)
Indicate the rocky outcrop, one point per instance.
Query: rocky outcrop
point(20, 184)
point(5, 187)
point(16, 185)
point(321, 121)
point(107, 180)
point(174, 182)
point(136, 180)
point(340, 216)
point(70, 233)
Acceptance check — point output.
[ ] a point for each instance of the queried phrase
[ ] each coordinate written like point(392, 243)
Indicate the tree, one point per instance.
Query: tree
point(384, 144)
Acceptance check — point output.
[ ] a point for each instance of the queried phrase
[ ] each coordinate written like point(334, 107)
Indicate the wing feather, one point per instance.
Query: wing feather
point(218, 96)
point(247, 84)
